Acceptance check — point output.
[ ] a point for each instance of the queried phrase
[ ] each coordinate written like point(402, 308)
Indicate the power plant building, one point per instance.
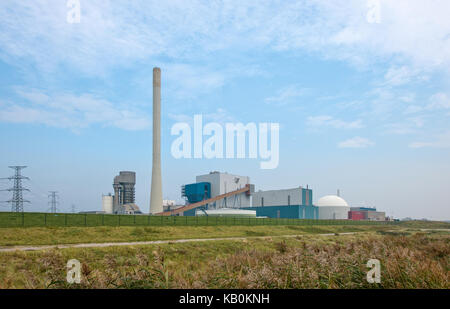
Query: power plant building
point(366, 213)
point(332, 207)
point(222, 193)
point(289, 203)
point(124, 192)
point(221, 183)
point(213, 185)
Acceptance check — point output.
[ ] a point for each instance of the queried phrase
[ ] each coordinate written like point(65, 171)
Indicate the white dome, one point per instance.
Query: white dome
point(331, 200)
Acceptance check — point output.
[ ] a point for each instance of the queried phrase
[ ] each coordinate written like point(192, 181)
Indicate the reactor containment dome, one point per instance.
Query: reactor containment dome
point(332, 207)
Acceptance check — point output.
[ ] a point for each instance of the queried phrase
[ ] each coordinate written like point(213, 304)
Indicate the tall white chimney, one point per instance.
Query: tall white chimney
point(156, 199)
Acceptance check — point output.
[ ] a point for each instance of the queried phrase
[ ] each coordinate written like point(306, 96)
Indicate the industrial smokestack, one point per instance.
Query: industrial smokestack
point(156, 199)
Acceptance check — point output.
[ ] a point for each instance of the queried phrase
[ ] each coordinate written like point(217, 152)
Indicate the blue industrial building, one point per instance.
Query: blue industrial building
point(290, 212)
point(291, 203)
point(196, 192)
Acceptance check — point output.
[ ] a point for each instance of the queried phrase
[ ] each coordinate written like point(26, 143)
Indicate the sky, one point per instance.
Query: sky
point(360, 89)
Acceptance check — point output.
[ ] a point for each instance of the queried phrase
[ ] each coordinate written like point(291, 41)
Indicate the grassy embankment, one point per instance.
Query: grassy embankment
point(73, 235)
point(408, 260)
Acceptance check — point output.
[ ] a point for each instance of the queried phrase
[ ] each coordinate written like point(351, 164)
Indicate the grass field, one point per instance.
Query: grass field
point(74, 235)
point(412, 255)
point(408, 260)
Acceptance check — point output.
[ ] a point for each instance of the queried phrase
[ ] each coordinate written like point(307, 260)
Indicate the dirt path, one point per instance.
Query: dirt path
point(153, 242)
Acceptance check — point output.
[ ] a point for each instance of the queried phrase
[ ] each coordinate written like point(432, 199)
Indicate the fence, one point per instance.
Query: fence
point(9, 219)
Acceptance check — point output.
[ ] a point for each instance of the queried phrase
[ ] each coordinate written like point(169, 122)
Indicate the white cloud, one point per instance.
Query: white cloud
point(220, 116)
point(71, 111)
point(398, 76)
point(328, 121)
point(408, 98)
point(409, 126)
point(356, 142)
point(439, 101)
point(441, 141)
point(412, 109)
point(288, 93)
point(183, 81)
point(117, 33)
point(413, 37)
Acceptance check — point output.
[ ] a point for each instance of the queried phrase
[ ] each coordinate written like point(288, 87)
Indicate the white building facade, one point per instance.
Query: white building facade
point(222, 183)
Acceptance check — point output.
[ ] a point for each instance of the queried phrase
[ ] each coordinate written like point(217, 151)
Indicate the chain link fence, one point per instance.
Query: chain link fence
point(9, 219)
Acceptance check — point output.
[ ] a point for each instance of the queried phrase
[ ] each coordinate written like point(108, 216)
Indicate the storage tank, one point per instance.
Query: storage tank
point(332, 207)
point(107, 203)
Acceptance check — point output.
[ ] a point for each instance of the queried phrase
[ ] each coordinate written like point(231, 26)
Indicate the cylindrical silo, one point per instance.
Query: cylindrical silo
point(107, 203)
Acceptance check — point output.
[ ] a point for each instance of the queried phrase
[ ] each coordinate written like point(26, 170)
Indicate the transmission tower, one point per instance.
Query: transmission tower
point(17, 190)
point(53, 201)
point(73, 208)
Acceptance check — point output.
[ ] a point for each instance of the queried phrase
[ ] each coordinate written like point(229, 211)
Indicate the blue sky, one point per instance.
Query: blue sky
point(363, 107)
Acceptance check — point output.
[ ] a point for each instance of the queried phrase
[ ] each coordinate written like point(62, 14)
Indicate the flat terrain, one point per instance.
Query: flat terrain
point(408, 260)
point(19, 236)
point(413, 255)
point(76, 235)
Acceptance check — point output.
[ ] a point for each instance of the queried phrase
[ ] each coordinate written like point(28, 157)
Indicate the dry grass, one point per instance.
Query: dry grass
point(416, 261)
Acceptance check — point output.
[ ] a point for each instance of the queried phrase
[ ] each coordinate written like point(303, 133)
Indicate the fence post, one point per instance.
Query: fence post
point(65, 219)
point(134, 219)
point(45, 219)
point(23, 219)
point(119, 220)
point(103, 219)
point(85, 219)
point(148, 220)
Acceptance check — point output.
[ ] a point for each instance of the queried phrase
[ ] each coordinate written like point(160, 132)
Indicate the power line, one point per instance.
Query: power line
point(53, 201)
point(17, 199)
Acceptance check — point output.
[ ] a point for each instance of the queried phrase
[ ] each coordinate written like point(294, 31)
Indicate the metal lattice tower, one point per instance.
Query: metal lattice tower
point(73, 208)
point(53, 201)
point(17, 190)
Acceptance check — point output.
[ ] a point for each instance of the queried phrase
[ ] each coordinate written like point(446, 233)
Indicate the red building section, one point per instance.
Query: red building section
point(356, 215)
